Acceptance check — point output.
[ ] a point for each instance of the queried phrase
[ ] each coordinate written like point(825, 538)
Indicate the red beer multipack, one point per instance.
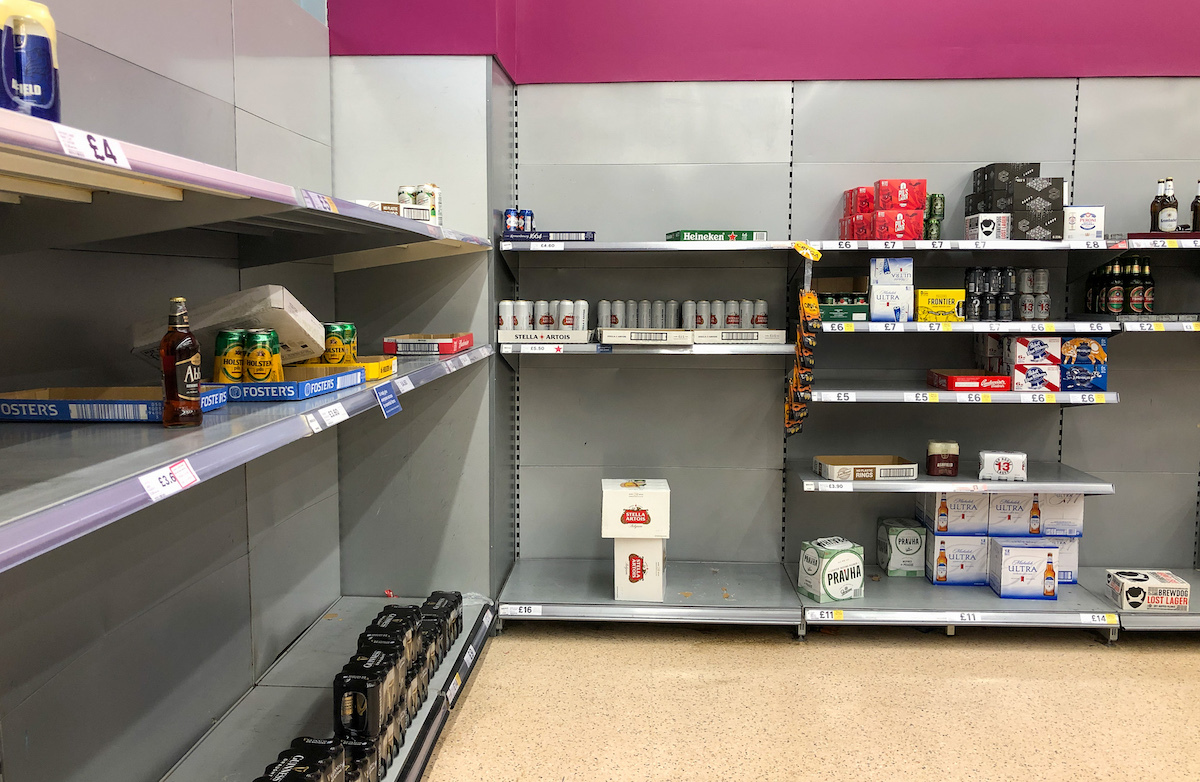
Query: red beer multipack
point(900, 194)
point(898, 224)
point(858, 200)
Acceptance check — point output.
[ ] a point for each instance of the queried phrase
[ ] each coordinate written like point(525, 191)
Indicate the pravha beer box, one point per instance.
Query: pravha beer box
point(900, 547)
point(638, 569)
point(831, 569)
point(635, 508)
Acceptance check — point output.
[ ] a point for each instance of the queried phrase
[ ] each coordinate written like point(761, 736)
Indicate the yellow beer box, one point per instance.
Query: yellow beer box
point(831, 569)
point(936, 305)
point(635, 508)
point(638, 569)
point(376, 367)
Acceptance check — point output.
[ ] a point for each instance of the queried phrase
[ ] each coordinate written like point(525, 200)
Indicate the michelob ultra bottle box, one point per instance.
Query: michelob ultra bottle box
point(901, 547)
point(956, 513)
point(831, 569)
point(1062, 515)
point(1068, 558)
point(1023, 568)
point(638, 569)
point(635, 508)
point(1015, 516)
point(956, 560)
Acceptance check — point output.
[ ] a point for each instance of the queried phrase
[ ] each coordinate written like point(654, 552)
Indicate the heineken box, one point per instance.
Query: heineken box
point(901, 547)
point(831, 569)
point(728, 235)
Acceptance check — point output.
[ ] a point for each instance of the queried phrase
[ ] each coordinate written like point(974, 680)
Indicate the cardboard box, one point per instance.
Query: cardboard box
point(988, 201)
point(845, 312)
point(844, 228)
point(549, 236)
point(645, 336)
point(639, 569)
point(1148, 590)
point(966, 380)
point(1025, 569)
point(831, 569)
point(958, 513)
point(956, 560)
point(1000, 176)
point(900, 547)
point(428, 344)
point(891, 271)
point(841, 284)
point(103, 403)
point(300, 382)
point(635, 508)
point(941, 305)
point(995, 366)
point(1037, 226)
point(1036, 377)
point(563, 337)
point(1068, 559)
point(903, 224)
point(422, 214)
point(375, 367)
point(301, 336)
point(865, 468)
point(989, 226)
point(1084, 377)
point(858, 200)
point(1038, 194)
point(1085, 350)
point(739, 337)
point(1081, 223)
point(900, 194)
point(891, 303)
point(716, 235)
point(1062, 514)
point(862, 227)
point(1009, 516)
point(1003, 466)
point(991, 345)
point(1032, 350)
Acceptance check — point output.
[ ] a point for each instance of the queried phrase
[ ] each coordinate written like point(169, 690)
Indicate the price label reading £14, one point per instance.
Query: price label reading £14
point(172, 479)
point(91, 147)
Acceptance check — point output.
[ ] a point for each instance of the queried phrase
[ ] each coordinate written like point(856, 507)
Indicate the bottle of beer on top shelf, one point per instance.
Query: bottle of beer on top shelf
point(1134, 290)
point(1156, 204)
point(1168, 216)
point(180, 354)
point(1147, 288)
point(1114, 296)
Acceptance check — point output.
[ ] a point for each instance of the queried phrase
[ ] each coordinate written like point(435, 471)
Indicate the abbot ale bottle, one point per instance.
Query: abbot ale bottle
point(180, 355)
point(29, 62)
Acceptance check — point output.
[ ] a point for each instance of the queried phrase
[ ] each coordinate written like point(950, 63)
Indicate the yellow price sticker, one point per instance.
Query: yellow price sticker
point(1051, 399)
point(933, 397)
point(849, 327)
point(947, 327)
point(1159, 327)
point(985, 398)
point(838, 614)
point(1099, 399)
point(1194, 326)
point(1049, 326)
point(1110, 619)
point(1173, 244)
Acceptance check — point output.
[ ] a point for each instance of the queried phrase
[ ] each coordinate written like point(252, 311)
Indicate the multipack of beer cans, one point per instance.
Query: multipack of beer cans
point(636, 514)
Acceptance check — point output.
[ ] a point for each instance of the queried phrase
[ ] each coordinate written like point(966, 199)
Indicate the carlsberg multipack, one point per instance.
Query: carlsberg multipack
point(831, 569)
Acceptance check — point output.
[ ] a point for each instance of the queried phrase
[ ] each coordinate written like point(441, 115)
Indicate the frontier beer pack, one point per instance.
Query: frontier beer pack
point(831, 569)
point(635, 508)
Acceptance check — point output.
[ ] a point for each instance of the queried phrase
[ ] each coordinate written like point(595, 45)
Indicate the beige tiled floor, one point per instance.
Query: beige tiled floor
point(643, 702)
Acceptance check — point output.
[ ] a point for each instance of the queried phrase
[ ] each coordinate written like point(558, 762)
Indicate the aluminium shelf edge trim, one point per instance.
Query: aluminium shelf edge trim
point(647, 612)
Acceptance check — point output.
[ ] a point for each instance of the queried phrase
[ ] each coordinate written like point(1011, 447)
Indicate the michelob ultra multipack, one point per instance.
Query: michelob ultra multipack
point(956, 560)
point(831, 569)
point(1025, 568)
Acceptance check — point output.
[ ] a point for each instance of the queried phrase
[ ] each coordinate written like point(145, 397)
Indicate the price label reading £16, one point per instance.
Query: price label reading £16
point(165, 481)
point(512, 609)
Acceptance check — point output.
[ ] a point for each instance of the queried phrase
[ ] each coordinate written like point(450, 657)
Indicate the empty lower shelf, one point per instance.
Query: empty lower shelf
point(1093, 578)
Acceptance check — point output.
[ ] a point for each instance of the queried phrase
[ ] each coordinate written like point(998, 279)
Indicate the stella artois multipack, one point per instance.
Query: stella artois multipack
point(636, 514)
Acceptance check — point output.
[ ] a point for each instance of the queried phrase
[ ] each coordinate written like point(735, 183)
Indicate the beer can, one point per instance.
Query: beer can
point(933, 228)
point(760, 314)
point(581, 315)
point(525, 218)
point(937, 208)
point(230, 363)
point(1025, 305)
point(672, 314)
point(512, 220)
point(1024, 280)
point(1004, 306)
point(995, 281)
point(746, 314)
point(687, 314)
point(604, 314)
point(974, 309)
point(336, 349)
point(542, 321)
point(658, 314)
point(406, 195)
point(733, 314)
point(644, 314)
point(523, 314)
point(977, 281)
point(703, 314)
point(349, 336)
point(1041, 280)
point(555, 323)
point(631, 314)
point(504, 319)
point(260, 361)
point(566, 315)
point(989, 306)
point(1009, 276)
point(618, 319)
point(1041, 306)
point(716, 317)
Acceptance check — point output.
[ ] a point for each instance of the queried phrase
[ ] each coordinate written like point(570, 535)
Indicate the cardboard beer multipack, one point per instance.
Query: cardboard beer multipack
point(956, 560)
point(1023, 568)
point(639, 569)
point(1148, 590)
point(891, 303)
point(1033, 350)
point(1062, 515)
point(891, 271)
point(831, 569)
point(1011, 515)
point(635, 508)
point(1068, 559)
point(301, 336)
point(965, 514)
point(900, 547)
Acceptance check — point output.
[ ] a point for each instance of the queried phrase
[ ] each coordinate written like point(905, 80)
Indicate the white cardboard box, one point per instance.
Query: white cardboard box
point(513, 335)
point(1062, 514)
point(1083, 222)
point(739, 336)
point(639, 569)
point(891, 303)
point(892, 271)
point(1003, 466)
point(1010, 516)
point(1068, 559)
point(989, 227)
point(635, 508)
point(1033, 350)
point(649, 337)
point(1023, 568)
point(301, 336)
point(900, 547)
point(831, 568)
point(1148, 590)
point(964, 514)
point(956, 560)
point(1036, 377)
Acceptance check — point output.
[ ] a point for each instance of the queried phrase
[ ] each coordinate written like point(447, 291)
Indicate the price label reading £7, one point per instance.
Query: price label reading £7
point(91, 147)
point(168, 480)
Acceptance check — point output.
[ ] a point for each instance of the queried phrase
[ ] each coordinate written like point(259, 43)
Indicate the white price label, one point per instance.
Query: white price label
point(404, 384)
point(1097, 327)
point(1090, 244)
point(469, 655)
point(824, 615)
point(810, 485)
point(884, 327)
point(936, 326)
point(937, 244)
point(314, 425)
point(333, 415)
point(165, 481)
point(972, 397)
point(505, 246)
point(965, 617)
point(834, 486)
point(1194, 325)
point(838, 327)
point(920, 396)
point(1087, 399)
point(845, 245)
point(1148, 326)
point(541, 348)
point(452, 690)
point(840, 396)
point(547, 246)
point(1036, 399)
point(1098, 619)
point(513, 609)
point(979, 245)
point(91, 147)
point(1037, 328)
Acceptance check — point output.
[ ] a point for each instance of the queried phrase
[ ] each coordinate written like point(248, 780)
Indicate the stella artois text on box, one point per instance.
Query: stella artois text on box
point(639, 569)
point(635, 508)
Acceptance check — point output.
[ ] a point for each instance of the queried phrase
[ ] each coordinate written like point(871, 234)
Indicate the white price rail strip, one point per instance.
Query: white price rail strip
point(168, 480)
point(1142, 325)
point(334, 414)
point(834, 486)
point(985, 327)
point(1164, 244)
point(875, 616)
point(1039, 398)
point(513, 609)
point(921, 396)
point(1098, 619)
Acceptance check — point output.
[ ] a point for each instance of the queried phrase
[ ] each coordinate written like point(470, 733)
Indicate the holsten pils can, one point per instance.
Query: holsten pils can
point(658, 314)
point(603, 314)
point(542, 321)
point(733, 314)
point(525, 219)
point(523, 314)
point(618, 320)
point(566, 315)
point(505, 318)
point(260, 365)
point(760, 314)
point(687, 315)
point(230, 363)
point(581, 314)
point(672, 314)
point(512, 220)
point(716, 316)
point(337, 344)
point(555, 324)
point(703, 314)
point(631, 314)
point(644, 321)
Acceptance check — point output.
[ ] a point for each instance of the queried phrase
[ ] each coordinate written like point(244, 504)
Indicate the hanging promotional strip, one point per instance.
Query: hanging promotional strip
point(799, 387)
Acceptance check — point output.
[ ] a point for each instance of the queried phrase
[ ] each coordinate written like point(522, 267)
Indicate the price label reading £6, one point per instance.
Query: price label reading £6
point(91, 147)
point(168, 480)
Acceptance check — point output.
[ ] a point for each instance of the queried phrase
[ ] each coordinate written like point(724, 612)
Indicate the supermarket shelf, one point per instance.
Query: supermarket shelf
point(1093, 578)
point(67, 480)
point(1049, 477)
point(1163, 244)
point(295, 697)
point(957, 244)
point(835, 244)
point(1158, 325)
point(906, 391)
point(914, 601)
point(702, 592)
point(975, 327)
point(508, 350)
point(631, 247)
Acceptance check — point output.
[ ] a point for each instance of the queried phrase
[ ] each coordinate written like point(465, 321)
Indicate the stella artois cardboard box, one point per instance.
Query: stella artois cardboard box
point(635, 508)
point(638, 569)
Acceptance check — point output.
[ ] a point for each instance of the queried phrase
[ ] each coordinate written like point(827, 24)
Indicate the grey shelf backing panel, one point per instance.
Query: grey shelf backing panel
point(295, 697)
point(1094, 580)
point(1048, 477)
point(915, 601)
point(67, 480)
point(903, 391)
point(701, 592)
point(974, 327)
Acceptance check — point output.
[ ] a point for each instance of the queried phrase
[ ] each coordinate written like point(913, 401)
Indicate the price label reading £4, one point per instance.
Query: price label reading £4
point(91, 147)
point(165, 481)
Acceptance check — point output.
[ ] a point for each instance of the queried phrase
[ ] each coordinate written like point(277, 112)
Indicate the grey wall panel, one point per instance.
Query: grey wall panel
point(185, 41)
point(948, 121)
point(645, 202)
point(281, 66)
point(425, 121)
point(717, 515)
point(502, 148)
point(148, 109)
point(415, 491)
point(282, 483)
point(57, 606)
point(1125, 188)
point(1149, 522)
point(267, 150)
point(655, 123)
point(1146, 119)
point(503, 451)
point(853, 516)
point(311, 283)
point(133, 703)
point(294, 576)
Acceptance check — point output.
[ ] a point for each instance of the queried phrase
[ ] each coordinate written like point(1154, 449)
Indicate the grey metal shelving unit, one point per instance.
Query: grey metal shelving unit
point(1048, 477)
point(902, 392)
point(1093, 579)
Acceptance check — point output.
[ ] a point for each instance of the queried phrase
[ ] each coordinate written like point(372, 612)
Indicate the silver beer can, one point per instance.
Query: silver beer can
point(541, 316)
point(604, 314)
point(687, 317)
point(581, 315)
point(672, 314)
point(1041, 306)
point(1041, 280)
point(523, 314)
point(716, 320)
point(566, 315)
point(555, 315)
point(746, 309)
point(1025, 304)
point(760, 314)
point(644, 314)
point(631, 314)
point(658, 314)
point(1025, 280)
point(505, 319)
point(733, 314)
point(618, 320)
point(703, 314)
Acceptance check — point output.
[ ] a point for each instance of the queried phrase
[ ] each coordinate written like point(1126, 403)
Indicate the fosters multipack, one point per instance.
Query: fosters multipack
point(831, 569)
point(635, 508)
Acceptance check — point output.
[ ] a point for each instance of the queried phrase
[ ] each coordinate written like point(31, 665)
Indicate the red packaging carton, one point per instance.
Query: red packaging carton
point(862, 227)
point(858, 200)
point(967, 380)
point(898, 224)
point(900, 194)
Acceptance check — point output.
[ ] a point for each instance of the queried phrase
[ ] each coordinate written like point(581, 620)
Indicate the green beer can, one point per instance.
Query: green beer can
point(937, 206)
point(260, 357)
point(229, 365)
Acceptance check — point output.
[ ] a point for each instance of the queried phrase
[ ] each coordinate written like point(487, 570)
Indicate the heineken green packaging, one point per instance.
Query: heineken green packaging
point(717, 236)
point(831, 569)
point(901, 547)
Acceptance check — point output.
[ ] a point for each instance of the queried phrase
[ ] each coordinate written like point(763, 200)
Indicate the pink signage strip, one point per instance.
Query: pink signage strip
point(550, 41)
